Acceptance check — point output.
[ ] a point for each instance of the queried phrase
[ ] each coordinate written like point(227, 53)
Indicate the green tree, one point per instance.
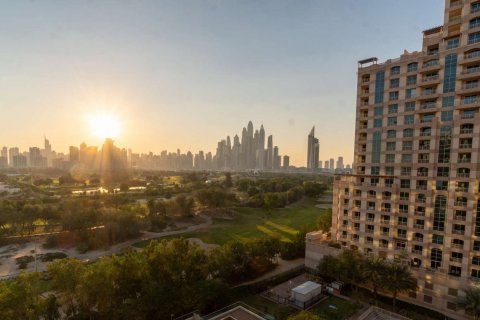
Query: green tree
point(228, 180)
point(324, 221)
point(470, 303)
point(397, 279)
point(20, 298)
point(375, 269)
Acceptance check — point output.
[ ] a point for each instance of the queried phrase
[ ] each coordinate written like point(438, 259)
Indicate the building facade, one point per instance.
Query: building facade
point(313, 151)
point(413, 194)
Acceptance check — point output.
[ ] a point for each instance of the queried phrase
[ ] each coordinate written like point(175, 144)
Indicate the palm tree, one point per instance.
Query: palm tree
point(397, 278)
point(471, 302)
point(375, 268)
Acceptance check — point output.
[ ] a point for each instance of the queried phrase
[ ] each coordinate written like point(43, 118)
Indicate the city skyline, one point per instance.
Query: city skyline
point(69, 60)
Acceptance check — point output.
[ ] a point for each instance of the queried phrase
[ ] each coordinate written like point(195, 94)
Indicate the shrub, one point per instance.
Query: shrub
point(50, 256)
point(22, 262)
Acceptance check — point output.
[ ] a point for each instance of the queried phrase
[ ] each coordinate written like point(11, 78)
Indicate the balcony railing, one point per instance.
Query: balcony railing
point(418, 239)
point(466, 131)
point(458, 231)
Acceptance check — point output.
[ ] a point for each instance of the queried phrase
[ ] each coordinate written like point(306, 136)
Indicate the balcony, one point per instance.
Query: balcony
point(470, 73)
point(420, 213)
point(457, 260)
point(460, 204)
point(418, 226)
point(418, 239)
point(460, 189)
point(431, 105)
point(462, 232)
point(463, 175)
point(417, 251)
point(466, 131)
point(431, 66)
point(460, 218)
point(457, 246)
point(385, 222)
point(465, 146)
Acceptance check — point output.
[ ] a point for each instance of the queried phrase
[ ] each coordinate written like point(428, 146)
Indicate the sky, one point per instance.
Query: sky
point(187, 73)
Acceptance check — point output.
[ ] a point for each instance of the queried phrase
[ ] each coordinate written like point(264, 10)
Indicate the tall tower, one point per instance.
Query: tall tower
point(413, 195)
point(270, 153)
point(261, 149)
point(313, 151)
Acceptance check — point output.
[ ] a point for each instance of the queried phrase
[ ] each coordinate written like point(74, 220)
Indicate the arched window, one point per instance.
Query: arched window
point(407, 133)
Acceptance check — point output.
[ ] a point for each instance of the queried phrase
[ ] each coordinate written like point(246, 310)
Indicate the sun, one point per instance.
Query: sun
point(104, 125)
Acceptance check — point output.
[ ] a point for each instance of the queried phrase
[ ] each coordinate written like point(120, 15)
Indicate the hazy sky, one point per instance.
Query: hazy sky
point(184, 74)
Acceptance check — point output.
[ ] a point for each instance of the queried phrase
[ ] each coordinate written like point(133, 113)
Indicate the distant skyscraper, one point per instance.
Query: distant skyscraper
point(313, 151)
point(327, 165)
point(286, 162)
point(261, 149)
point(332, 164)
point(12, 152)
point(74, 154)
point(270, 153)
point(276, 159)
point(36, 159)
point(340, 163)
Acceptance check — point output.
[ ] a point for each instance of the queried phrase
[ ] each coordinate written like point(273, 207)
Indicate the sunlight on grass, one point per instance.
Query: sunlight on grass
point(272, 233)
point(282, 228)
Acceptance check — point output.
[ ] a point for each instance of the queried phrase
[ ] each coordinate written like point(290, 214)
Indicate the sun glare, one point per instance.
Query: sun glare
point(104, 126)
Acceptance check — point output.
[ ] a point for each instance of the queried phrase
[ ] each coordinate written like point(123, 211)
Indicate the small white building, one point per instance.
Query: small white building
point(305, 293)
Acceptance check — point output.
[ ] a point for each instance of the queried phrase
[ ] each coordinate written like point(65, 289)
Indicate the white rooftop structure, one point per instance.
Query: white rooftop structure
point(306, 288)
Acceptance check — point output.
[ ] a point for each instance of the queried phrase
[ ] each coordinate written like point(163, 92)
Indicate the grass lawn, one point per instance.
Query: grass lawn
point(257, 222)
point(335, 309)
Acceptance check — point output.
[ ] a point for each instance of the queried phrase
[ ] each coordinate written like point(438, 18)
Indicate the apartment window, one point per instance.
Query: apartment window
point(393, 95)
point(404, 195)
point(450, 73)
point(453, 43)
point(408, 133)
point(463, 172)
point(406, 158)
point(375, 171)
point(408, 119)
point(475, 22)
point(439, 213)
point(443, 172)
point(391, 146)
point(406, 171)
point(376, 147)
point(392, 121)
point(390, 158)
point(452, 292)
point(436, 258)
point(473, 37)
point(394, 83)
point(391, 134)
point(451, 306)
point(410, 93)
point(472, 69)
point(411, 80)
point(393, 108)
point(444, 144)
point(458, 229)
point(377, 123)
point(427, 299)
point(437, 239)
point(476, 245)
point(470, 99)
point(389, 171)
point(448, 101)
point(455, 271)
point(476, 260)
point(404, 183)
point(395, 70)
point(379, 86)
point(378, 111)
point(407, 145)
point(441, 185)
point(447, 116)
point(402, 221)
point(402, 233)
point(409, 106)
point(412, 67)
point(475, 273)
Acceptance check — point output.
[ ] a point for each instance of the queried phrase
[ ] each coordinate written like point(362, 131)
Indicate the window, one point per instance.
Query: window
point(406, 171)
point(441, 185)
point(394, 83)
point(475, 273)
point(378, 111)
point(393, 108)
point(408, 119)
point(390, 158)
point(389, 171)
point(437, 238)
point(470, 99)
point(476, 260)
point(391, 134)
point(450, 72)
point(377, 123)
point(406, 158)
point(476, 245)
point(409, 106)
point(475, 7)
point(376, 147)
point(411, 80)
point(392, 121)
point(455, 271)
point(391, 146)
point(410, 93)
point(475, 22)
point(473, 37)
point(447, 116)
point(452, 292)
point(451, 306)
point(444, 144)
point(453, 43)
point(408, 133)
point(405, 184)
point(402, 233)
point(379, 86)
point(412, 67)
point(393, 95)
point(375, 171)
point(448, 101)
point(404, 195)
point(435, 258)
point(427, 299)
point(407, 145)
point(443, 172)
point(395, 70)
point(402, 221)
point(439, 213)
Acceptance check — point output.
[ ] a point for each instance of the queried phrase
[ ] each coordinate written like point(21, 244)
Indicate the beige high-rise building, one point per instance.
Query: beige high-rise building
point(413, 195)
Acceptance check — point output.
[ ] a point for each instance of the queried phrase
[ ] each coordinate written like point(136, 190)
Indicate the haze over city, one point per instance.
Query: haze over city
point(184, 74)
